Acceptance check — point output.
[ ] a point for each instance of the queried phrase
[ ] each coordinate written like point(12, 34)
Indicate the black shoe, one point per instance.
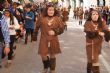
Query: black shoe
point(46, 63)
point(52, 64)
point(96, 69)
point(89, 67)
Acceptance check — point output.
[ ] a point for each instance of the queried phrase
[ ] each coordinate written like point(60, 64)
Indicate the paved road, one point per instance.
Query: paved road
point(72, 59)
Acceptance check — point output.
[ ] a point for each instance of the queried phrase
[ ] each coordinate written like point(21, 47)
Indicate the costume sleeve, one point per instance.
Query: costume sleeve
point(16, 24)
point(88, 30)
point(60, 28)
point(35, 34)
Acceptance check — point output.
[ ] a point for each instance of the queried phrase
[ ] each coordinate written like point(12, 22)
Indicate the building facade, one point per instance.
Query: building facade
point(87, 3)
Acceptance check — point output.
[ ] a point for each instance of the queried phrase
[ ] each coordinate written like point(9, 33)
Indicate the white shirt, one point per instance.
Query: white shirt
point(15, 26)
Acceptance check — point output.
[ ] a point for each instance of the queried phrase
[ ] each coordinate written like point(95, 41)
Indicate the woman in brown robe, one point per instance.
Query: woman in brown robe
point(50, 26)
point(65, 16)
point(80, 15)
point(95, 28)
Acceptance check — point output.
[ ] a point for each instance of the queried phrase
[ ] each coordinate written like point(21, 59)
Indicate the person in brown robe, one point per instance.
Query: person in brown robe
point(95, 28)
point(65, 16)
point(75, 13)
point(50, 26)
point(80, 15)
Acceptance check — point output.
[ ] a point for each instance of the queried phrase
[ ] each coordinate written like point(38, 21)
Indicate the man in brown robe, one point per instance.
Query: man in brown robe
point(95, 29)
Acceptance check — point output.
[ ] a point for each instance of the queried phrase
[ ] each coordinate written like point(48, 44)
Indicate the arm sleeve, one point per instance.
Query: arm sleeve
point(87, 27)
point(104, 25)
point(60, 28)
point(89, 33)
point(38, 24)
point(106, 32)
point(5, 31)
point(32, 16)
point(35, 34)
point(16, 24)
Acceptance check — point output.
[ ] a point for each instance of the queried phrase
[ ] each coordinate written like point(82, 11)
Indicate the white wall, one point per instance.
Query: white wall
point(107, 2)
point(15, 0)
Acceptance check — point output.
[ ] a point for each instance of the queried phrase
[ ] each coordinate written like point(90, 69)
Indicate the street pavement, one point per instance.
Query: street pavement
point(71, 60)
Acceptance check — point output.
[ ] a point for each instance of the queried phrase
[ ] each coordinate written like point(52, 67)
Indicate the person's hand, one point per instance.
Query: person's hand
point(101, 34)
point(51, 32)
point(28, 17)
point(6, 50)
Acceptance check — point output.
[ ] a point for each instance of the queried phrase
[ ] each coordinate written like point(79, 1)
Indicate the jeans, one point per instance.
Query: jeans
point(10, 54)
point(1, 47)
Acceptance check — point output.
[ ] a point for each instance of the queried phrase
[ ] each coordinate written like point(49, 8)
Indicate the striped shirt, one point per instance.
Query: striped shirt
point(5, 31)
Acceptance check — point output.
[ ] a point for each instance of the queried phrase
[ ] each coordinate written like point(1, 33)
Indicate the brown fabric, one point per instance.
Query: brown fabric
point(96, 69)
point(52, 63)
point(80, 14)
point(93, 46)
point(107, 36)
point(54, 48)
point(65, 15)
point(89, 67)
point(46, 63)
